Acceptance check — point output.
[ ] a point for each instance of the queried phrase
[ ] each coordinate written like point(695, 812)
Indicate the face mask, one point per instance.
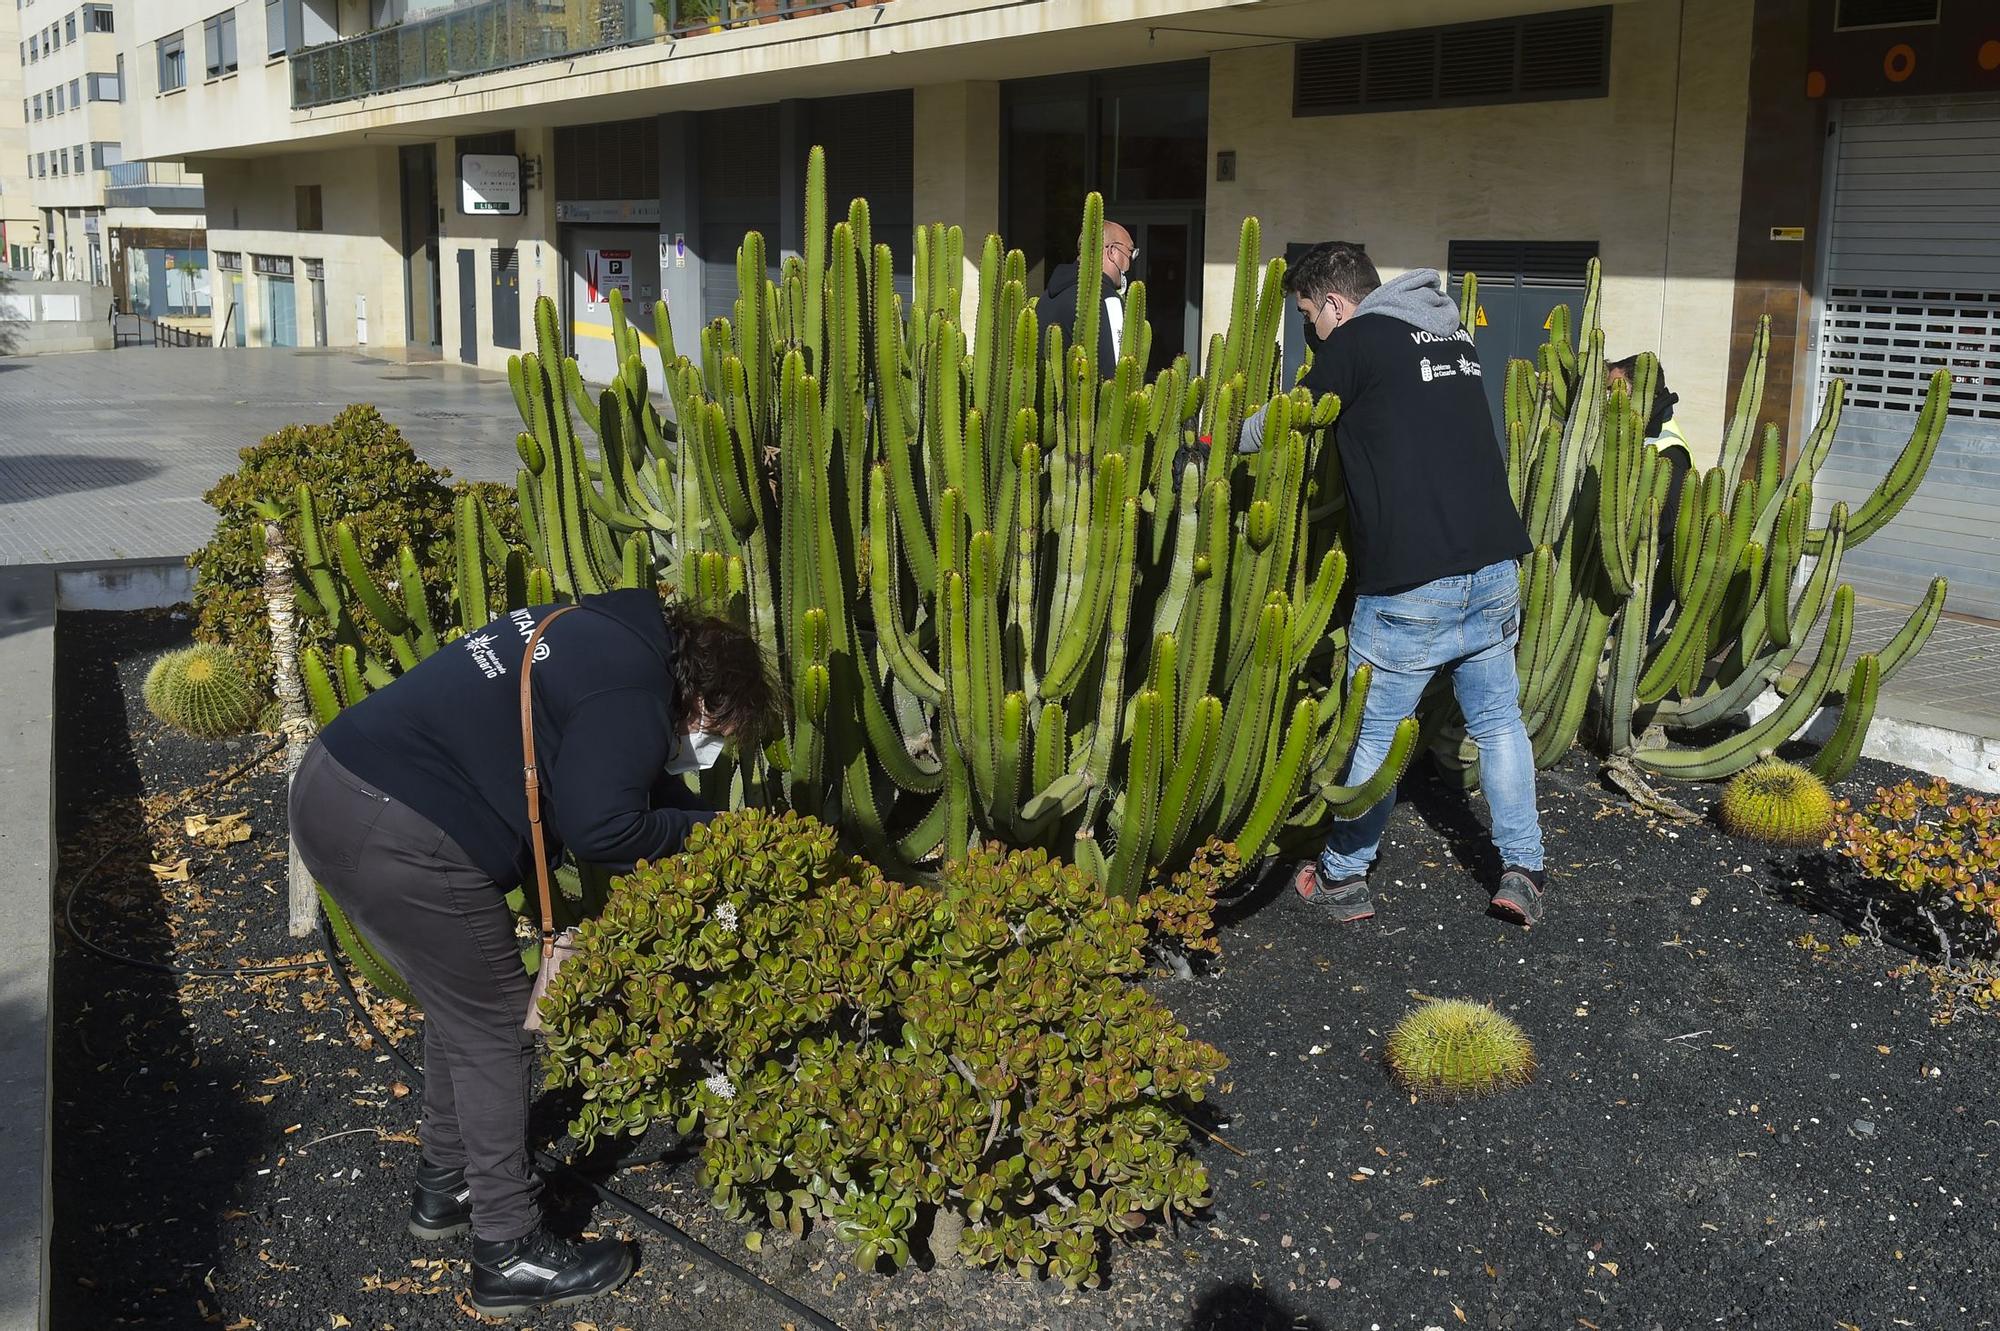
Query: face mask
point(697, 753)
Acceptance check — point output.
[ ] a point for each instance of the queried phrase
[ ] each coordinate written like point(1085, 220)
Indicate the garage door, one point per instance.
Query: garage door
point(1913, 283)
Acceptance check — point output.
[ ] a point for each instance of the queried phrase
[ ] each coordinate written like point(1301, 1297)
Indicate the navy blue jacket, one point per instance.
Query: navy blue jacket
point(445, 738)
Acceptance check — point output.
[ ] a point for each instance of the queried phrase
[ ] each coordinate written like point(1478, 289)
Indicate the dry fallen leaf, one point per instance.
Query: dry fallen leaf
point(177, 872)
point(339, 1321)
point(1458, 1312)
point(398, 1090)
point(1612, 1267)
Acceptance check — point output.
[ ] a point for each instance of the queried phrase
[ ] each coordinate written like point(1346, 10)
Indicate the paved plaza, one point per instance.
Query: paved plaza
point(104, 455)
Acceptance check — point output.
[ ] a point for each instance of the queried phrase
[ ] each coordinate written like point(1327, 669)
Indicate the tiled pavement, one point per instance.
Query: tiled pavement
point(105, 455)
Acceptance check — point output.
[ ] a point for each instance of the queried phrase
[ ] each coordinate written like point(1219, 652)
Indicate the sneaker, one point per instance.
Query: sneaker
point(1345, 901)
point(1519, 897)
point(541, 1270)
point(441, 1203)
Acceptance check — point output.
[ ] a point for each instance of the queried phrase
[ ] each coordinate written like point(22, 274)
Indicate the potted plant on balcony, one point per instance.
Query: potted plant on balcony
point(688, 16)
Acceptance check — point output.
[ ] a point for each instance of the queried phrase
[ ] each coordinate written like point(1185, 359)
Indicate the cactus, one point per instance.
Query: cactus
point(1777, 802)
point(998, 608)
point(1590, 490)
point(1453, 1048)
point(203, 691)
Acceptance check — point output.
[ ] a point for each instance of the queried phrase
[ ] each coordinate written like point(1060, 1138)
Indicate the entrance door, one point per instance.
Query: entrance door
point(317, 286)
point(468, 308)
point(1912, 285)
point(1520, 284)
point(281, 311)
point(1169, 263)
point(423, 281)
point(602, 259)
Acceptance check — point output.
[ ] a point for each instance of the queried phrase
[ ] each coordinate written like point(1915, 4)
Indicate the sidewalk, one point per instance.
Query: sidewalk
point(104, 455)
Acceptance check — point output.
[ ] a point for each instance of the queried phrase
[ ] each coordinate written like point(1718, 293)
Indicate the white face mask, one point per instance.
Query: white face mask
point(698, 752)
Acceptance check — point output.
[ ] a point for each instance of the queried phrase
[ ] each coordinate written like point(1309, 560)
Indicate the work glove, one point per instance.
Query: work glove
point(1193, 453)
point(1252, 440)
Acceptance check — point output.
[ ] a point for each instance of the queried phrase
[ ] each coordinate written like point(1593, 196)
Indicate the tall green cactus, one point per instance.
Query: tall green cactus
point(1591, 490)
point(998, 609)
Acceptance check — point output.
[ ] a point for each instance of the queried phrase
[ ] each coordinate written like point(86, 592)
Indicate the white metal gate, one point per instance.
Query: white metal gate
point(1911, 268)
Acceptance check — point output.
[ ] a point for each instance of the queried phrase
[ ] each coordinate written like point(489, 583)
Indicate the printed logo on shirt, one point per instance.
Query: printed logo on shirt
point(483, 655)
point(1423, 337)
point(524, 624)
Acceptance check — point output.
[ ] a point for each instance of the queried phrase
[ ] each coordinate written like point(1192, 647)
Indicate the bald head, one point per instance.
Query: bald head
point(1118, 253)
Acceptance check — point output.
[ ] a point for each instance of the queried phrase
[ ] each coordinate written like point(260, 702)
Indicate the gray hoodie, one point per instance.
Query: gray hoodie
point(1416, 298)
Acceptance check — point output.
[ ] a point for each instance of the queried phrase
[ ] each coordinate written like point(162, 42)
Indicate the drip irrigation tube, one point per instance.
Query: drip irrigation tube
point(549, 1163)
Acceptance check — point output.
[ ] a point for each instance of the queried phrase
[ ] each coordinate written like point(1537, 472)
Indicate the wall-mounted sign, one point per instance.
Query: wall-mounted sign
point(271, 265)
point(489, 185)
point(608, 210)
point(1788, 233)
point(606, 271)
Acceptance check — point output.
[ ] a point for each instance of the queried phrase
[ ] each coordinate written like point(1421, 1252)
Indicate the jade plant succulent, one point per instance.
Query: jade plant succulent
point(971, 1057)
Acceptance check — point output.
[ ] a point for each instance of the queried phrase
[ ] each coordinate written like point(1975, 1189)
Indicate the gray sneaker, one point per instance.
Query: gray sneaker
point(1519, 896)
point(1345, 902)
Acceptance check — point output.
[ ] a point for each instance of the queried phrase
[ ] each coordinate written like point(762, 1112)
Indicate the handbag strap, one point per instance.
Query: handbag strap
point(531, 777)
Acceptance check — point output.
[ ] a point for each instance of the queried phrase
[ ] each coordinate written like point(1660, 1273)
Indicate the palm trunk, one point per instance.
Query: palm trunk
point(281, 607)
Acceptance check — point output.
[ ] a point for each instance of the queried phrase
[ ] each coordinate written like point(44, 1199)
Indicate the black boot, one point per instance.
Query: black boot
point(441, 1203)
point(541, 1271)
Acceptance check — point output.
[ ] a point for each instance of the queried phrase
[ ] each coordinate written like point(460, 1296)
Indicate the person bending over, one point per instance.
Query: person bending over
point(1435, 545)
point(409, 810)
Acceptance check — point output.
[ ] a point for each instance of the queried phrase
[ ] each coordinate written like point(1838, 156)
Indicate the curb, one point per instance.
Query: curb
point(27, 892)
point(1960, 757)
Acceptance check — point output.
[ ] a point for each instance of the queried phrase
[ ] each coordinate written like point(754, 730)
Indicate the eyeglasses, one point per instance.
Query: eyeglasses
point(1132, 251)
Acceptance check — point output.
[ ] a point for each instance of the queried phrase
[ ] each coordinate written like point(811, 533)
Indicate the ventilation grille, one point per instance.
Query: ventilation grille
point(615, 161)
point(1885, 13)
point(1528, 263)
point(1885, 344)
point(1543, 58)
point(507, 260)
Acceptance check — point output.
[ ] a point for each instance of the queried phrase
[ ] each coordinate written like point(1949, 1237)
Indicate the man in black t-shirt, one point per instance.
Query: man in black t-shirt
point(1435, 545)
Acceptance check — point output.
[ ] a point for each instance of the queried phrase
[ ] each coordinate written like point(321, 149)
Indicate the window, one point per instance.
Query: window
point(34, 47)
point(52, 38)
point(105, 88)
point(106, 154)
point(38, 106)
point(219, 40)
point(1540, 58)
point(173, 62)
point(307, 198)
point(69, 28)
point(75, 93)
point(76, 160)
point(97, 18)
point(275, 43)
point(62, 161)
point(59, 99)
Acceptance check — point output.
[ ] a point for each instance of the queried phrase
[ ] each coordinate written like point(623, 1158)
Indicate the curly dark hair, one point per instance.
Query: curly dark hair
point(719, 669)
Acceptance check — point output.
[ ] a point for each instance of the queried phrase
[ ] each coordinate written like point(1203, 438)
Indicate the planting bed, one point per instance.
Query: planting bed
point(1728, 1128)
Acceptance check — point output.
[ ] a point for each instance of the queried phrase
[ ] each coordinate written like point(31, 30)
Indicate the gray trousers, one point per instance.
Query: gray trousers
point(444, 925)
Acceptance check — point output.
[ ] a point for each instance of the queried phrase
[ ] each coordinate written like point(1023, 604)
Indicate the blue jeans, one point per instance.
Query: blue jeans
point(1467, 624)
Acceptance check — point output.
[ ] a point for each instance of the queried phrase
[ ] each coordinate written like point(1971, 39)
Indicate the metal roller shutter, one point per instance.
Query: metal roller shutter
point(1913, 282)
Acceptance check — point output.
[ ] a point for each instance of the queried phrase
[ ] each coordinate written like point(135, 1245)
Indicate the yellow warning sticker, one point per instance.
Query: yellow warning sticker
point(1550, 322)
point(1479, 317)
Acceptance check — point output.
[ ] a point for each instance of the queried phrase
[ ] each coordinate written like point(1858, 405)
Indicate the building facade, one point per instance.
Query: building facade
point(20, 221)
point(413, 174)
point(104, 217)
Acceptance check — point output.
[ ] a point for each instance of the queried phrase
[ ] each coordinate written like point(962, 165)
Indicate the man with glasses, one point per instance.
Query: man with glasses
point(1058, 306)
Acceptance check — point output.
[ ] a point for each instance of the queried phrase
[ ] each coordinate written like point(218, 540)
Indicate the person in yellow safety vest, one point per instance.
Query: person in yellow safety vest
point(1664, 434)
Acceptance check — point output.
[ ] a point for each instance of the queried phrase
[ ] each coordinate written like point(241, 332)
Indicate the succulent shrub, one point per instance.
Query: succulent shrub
point(1182, 907)
point(1451, 1048)
point(202, 690)
point(1939, 845)
point(970, 1056)
point(360, 470)
point(1777, 802)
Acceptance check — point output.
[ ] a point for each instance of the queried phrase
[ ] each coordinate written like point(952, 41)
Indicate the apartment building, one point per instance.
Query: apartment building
point(412, 174)
point(133, 226)
point(20, 223)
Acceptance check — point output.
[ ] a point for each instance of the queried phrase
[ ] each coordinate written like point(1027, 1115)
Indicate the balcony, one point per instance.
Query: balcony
point(163, 186)
point(472, 39)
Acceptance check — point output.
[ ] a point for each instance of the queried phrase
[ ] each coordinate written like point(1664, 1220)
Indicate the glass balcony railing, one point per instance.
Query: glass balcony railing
point(471, 39)
point(151, 185)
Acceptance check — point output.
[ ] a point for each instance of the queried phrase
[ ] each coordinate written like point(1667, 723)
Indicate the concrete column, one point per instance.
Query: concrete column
point(680, 219)
point(956, 162)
